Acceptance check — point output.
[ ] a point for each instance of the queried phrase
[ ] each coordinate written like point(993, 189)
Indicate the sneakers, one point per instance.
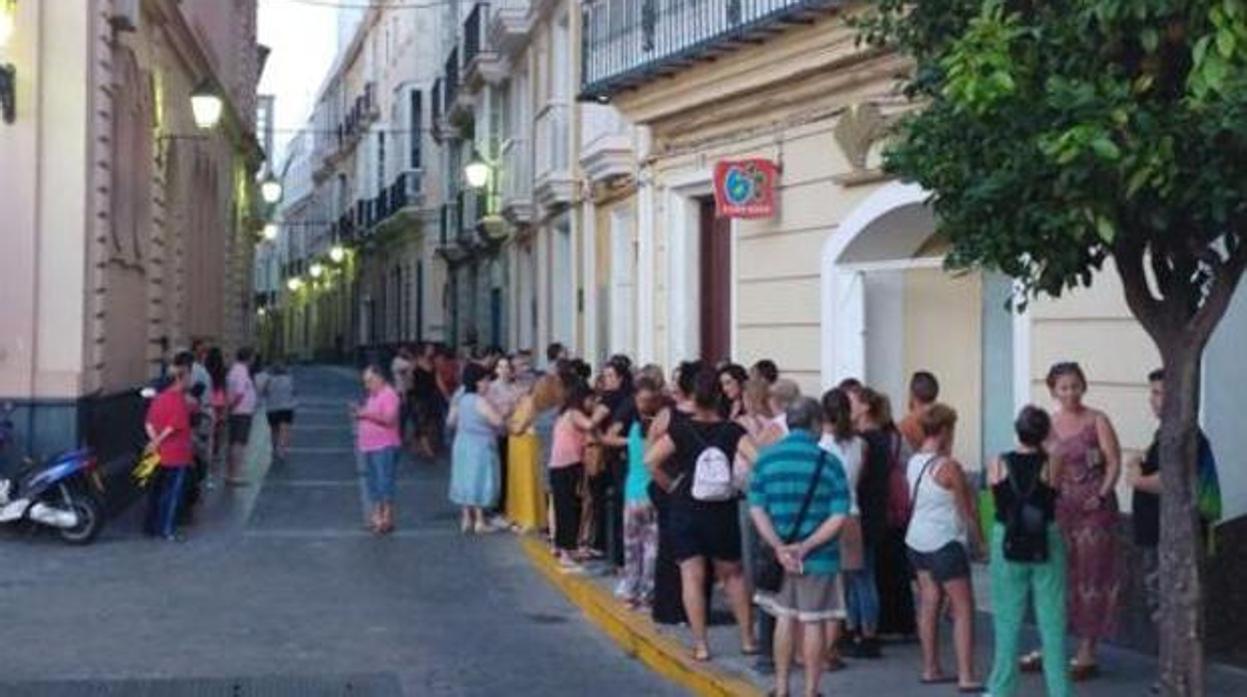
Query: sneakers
point(623, 591)
point(570, 566)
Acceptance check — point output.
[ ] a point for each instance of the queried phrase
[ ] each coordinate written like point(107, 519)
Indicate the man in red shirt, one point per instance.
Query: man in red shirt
point(169, 428)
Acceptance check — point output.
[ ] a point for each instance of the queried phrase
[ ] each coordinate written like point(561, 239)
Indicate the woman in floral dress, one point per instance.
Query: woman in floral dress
point(1086, 444)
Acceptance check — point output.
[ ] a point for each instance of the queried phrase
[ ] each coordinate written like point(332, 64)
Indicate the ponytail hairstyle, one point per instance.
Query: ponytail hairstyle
point(878, 406)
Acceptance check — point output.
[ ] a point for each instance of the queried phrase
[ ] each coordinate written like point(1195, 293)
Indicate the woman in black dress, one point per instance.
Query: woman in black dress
point(704, 532)
point(883, 526)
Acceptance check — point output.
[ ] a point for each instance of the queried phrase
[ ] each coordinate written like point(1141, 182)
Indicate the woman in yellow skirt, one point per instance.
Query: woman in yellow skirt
point(526, 485)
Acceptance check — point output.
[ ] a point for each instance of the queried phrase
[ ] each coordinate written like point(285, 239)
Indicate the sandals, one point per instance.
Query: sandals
point(1081, 672)
point(1031, 662)
point(701, 654)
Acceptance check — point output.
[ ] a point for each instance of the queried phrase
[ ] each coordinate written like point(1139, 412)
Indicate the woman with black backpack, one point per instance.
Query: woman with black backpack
point(1027, 554)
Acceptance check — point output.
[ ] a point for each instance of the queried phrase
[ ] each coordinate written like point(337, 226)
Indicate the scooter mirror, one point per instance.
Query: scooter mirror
point(147, 392)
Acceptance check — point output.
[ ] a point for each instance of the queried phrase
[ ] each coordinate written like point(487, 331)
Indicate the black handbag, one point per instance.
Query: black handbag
point(768, 576)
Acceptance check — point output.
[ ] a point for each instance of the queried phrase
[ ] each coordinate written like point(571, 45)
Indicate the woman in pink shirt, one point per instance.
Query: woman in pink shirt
point(379, 439)
point(572, 431)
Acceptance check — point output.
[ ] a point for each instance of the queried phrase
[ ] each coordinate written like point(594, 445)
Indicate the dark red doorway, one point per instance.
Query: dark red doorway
point(715, 296)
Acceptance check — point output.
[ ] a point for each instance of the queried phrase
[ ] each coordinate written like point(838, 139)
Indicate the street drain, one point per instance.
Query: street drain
point(542, 618)
point(366, 685)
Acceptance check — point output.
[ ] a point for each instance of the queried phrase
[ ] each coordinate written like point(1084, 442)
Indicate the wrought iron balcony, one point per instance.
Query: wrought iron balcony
point(627, 42)
point(346, 227)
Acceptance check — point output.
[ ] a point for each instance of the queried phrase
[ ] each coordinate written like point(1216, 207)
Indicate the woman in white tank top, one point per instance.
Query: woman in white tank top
point(936, 520)
point(943, 533)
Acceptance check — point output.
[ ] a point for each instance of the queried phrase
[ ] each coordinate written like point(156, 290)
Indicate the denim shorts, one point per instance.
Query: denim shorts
point(379, 466)
point(948, 563)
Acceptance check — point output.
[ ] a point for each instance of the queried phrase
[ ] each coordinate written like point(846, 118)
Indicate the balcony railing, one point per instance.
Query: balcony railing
point(474, 32)
point(346, 227)
point(405, 191)
point(551, 145)
point(626, 42)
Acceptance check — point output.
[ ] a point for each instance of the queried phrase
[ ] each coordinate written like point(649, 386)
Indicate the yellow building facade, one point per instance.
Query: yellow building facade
point(846, 279)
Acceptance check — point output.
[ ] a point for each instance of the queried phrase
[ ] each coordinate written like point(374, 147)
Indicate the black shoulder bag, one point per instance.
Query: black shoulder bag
point(769, 575)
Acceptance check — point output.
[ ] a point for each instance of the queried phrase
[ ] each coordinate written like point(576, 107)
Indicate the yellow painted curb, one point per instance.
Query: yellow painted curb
point(635, 633)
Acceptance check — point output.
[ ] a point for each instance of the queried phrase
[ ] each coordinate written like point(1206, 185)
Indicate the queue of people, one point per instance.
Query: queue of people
point(729, 478)
point(199, 425)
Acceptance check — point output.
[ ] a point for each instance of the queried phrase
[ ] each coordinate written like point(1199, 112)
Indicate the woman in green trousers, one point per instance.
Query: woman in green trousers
point(1027, 557)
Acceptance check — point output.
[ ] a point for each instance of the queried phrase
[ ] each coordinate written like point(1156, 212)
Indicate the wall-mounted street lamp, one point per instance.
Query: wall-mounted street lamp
point(270, 190)
point(8, 71)
point(316, 270)
point(270, 231)
point(294, 284)
point(206, 105)
point(337, 254)
point(8, 21)
point(476, 173)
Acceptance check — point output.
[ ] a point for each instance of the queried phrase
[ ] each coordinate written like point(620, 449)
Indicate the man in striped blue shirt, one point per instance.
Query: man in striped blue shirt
point(810, 595)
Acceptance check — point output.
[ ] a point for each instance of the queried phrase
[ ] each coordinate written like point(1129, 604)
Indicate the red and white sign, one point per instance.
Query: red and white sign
point(745, 188)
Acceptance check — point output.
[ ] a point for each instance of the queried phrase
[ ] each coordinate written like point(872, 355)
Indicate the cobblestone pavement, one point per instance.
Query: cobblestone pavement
point(280, 591)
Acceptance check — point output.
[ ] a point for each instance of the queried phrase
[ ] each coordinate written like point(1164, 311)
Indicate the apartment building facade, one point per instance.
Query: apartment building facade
point(527, 267)
point(359, 228)
point(131, 229)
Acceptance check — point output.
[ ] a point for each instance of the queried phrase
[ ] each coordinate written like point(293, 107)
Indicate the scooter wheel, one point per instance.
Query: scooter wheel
point(90, 520)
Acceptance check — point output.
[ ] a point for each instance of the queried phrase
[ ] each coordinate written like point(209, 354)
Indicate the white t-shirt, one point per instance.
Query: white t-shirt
point(401, 368)
point(240, 387)
point(851, 453)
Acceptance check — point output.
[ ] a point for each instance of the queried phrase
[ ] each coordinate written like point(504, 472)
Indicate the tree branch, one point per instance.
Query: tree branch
point(1226, 278)
point(1129, 260)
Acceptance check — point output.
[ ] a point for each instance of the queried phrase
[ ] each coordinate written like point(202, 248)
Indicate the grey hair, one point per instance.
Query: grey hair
point(805, 413)
point(784, 392)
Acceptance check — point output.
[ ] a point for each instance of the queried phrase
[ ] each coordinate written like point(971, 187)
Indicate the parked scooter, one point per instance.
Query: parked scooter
point(57, 493)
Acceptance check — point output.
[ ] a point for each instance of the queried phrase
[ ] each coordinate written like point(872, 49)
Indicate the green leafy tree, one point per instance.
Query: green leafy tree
point(1056, 135)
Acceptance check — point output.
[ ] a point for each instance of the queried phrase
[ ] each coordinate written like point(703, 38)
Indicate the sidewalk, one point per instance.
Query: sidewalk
point(666, 650)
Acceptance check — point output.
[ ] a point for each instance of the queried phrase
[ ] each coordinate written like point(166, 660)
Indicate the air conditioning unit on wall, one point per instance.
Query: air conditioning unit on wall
point(126, 15)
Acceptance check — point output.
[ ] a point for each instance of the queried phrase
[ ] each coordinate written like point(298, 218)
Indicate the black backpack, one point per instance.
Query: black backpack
point(1026, 525)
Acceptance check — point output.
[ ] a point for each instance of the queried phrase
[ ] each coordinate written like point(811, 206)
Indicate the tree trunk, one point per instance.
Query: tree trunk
point(1181, 625)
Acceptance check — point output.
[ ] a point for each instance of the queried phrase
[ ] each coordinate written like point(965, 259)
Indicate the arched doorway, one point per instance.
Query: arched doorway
point(889, 308)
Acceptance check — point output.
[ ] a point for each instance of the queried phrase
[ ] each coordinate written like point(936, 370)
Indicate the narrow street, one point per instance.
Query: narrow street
point(280, 589)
